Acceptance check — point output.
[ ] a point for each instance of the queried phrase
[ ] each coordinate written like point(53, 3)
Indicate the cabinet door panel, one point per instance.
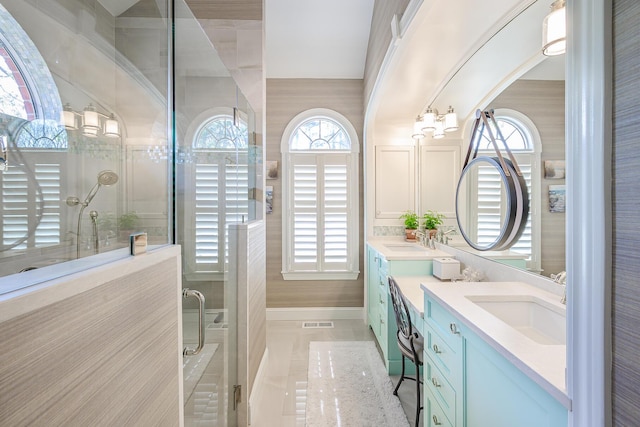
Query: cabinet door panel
point(498, 394)
point(439, 173)
point(395, 180)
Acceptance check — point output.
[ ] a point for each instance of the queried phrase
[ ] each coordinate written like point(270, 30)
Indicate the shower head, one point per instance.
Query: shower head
point(107, 177)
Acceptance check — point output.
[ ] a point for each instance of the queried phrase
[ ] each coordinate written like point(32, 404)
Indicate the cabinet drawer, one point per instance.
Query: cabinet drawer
point(434, 415)
point(448, 360)
point(441, 388)
point(443, 323)
point(384, 265)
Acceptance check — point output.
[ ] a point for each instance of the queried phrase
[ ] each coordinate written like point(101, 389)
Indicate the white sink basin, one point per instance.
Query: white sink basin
point(542, 321)
point(405, 247)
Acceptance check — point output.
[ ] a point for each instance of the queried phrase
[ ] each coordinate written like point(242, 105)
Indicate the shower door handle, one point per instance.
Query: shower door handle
point(186, 293)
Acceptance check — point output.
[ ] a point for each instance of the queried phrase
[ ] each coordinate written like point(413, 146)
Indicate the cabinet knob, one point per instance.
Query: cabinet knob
point(436, 349)
point(381, 301)
point(453, 328)
point(434, 381)
point(436, 422)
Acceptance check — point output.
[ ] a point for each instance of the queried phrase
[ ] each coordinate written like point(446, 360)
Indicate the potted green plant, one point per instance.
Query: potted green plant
point(431, 222)
point(411, 224)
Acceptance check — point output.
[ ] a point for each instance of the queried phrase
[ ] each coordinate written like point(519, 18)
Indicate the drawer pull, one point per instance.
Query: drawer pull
point(436, 349)
point(381, 301)
point(434, 381)
point(436, 422)
point(453, 328)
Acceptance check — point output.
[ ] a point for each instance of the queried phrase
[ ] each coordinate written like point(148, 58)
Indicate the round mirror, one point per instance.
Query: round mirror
point(492, 204)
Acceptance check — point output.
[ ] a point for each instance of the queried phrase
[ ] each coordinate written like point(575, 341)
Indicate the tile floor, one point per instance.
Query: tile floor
point(282, 398)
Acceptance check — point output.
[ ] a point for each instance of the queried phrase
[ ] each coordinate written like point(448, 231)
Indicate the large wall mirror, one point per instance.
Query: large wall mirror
point(530, 110)
point(531, 114)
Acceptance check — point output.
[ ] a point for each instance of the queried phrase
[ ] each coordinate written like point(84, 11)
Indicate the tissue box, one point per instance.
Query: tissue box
point(446, 268)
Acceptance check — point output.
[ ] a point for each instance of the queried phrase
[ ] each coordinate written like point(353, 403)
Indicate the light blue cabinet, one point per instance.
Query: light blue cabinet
point(468, 383)
point(379, 308)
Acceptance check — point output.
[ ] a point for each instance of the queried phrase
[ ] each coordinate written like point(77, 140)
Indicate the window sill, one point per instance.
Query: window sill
point(320, 275)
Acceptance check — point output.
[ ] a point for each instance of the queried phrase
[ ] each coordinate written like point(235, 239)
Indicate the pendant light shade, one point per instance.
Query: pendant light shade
point(429, 120)
point(417, 128)
point(450, 120)
point(68, 117)
point(111, 127)
point(90, 121)
point(438, 133)
point(554, 30)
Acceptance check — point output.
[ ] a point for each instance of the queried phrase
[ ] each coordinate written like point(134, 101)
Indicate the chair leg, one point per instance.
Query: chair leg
point(419, 401)
point(395, 392)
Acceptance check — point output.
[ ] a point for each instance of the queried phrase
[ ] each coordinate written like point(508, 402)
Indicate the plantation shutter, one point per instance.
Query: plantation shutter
point(21, 203)
point(236, 198)
point(221, 199)
point(207, 244)
point(320, 212)
point(491, 211)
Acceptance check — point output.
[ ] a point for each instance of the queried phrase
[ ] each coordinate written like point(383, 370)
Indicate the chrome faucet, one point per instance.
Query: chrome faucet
point(443, 236)
point(561, 279)
point(421, 237)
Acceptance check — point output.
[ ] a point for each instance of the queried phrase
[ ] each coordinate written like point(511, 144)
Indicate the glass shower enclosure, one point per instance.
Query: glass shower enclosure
point(119, 117)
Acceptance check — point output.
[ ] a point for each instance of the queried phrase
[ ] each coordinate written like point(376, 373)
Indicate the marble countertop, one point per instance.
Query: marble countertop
point(397, 248)
point(543, 363)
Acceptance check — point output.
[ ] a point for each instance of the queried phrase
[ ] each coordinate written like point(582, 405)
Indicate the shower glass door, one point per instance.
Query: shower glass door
point(213, 125)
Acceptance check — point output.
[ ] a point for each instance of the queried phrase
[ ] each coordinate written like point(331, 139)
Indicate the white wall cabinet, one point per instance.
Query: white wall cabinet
point(395, 180)
point(439, 172)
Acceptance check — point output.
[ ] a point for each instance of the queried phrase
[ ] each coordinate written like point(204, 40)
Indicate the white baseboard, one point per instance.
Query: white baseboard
point(256, 390)
point(316, 313)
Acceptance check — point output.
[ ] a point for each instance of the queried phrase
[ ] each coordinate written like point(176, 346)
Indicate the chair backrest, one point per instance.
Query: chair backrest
point(400, 309)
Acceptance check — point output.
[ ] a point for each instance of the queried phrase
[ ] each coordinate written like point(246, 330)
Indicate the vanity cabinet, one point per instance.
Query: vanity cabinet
point(468, 383)
point(380, 314)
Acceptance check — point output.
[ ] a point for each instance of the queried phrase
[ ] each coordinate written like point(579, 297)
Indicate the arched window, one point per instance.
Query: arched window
point(320, 197)
point(31, 213)
point(522, 138)
point(220, 179)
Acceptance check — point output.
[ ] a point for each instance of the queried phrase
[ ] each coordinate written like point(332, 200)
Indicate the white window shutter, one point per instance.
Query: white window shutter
point(21, 203)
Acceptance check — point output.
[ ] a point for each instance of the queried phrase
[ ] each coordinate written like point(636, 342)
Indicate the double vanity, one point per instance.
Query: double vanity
point(494, 351)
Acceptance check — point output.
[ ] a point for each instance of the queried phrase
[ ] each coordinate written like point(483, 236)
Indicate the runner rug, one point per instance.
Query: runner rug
point(347, 385)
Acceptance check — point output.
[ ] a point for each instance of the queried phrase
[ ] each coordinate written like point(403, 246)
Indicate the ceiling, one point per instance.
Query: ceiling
point(317, 38)
point(329, 39)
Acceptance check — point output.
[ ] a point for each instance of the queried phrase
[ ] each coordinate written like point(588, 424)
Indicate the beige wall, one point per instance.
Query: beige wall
point(285, 99)
point(543, 102)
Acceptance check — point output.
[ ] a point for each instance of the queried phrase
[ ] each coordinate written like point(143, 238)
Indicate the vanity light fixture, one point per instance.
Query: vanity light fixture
point(554, 30)
point(436, 123)
point(418, 133)
point(91, 121)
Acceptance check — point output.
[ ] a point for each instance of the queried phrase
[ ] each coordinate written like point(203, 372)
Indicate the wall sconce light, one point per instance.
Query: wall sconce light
point(554, 30)
point(418, 133)
point(91, 121)
point(431, 121)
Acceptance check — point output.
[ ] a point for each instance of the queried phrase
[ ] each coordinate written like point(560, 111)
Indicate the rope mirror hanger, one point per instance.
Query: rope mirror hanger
point(515, 201)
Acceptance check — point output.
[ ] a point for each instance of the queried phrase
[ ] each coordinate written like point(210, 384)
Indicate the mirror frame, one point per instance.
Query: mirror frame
point(517, 204)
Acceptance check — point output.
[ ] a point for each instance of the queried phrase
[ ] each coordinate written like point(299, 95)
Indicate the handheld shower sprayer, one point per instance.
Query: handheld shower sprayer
point(106, 178)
